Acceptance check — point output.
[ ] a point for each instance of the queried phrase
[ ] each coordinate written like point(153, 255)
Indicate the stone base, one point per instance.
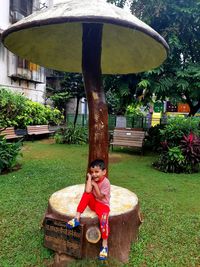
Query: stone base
point(62, 260)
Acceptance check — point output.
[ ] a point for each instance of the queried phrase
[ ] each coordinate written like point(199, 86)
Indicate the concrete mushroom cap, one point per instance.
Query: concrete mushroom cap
point(53, 38)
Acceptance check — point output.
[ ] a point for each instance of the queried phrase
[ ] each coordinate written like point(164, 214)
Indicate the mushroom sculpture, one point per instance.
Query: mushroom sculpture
point(92, 37)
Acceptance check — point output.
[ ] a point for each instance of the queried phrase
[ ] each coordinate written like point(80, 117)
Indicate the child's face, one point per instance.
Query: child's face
point(97, 173)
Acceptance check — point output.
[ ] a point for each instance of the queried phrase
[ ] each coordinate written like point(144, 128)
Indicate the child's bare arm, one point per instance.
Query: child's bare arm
point(98, 192)
point(88, 185)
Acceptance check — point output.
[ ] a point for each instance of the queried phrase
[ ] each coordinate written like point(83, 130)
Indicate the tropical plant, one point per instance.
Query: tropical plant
point(177, 127)
point(178, 78)
point(154, 137)
point(180, 146)
point(134, 110)
point(171, 161)
point(70, 86)
point(37, 114)
point(9, 154)
point(72, 135)
point(18, 111)
point(190, 147)
point(121, 91)
point(60, 100)
point(12, 106)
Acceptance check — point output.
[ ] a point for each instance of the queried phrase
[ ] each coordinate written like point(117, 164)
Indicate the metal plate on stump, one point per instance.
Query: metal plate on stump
point(59, 238)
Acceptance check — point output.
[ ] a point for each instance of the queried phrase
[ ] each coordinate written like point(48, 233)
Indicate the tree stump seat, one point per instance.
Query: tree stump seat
point(124, 223)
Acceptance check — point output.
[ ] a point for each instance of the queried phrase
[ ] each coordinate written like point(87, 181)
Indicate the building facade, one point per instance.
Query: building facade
point(16, 73)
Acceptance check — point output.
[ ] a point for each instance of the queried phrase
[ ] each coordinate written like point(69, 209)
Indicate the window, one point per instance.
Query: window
point(22, 63)
point(25, 64)
point(20, 9)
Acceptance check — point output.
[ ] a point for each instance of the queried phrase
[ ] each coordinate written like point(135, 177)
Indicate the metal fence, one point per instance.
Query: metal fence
point(131, 122)
point(144, 122)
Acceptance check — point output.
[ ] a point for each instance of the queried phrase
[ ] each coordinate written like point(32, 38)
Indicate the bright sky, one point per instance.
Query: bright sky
point(60, 1)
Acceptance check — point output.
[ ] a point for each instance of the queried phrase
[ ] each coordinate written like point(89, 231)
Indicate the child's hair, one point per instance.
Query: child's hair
point(98, 162)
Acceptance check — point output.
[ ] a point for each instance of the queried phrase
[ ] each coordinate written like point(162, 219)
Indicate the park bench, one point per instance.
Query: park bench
point(126, 137)
point(34, 130)
point(9, 133)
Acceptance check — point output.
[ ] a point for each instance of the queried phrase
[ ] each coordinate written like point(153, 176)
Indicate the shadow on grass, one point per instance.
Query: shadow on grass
point(95, 263)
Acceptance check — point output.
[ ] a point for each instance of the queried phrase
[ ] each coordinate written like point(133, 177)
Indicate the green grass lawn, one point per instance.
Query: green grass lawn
point(170, 203)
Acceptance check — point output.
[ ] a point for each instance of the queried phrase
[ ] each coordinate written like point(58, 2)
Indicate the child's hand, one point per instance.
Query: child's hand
point(93, 183)
point(89, 176)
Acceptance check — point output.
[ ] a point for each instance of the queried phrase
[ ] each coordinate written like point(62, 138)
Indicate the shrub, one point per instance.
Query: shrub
point(190, 146)
point(12, 105)
point(133, 111)
point(180, 146)
point(72, 135)
point(9, 153)
point(171, 161)
point(53, 115)
point(154, 137)
point(18, 111)
point(184, 158)
point(177, 127)
point(38, 114)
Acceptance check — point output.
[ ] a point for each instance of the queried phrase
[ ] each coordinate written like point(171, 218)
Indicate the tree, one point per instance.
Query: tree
point(119, 3)
point(73, 84)
point(70, 86)
point(179, 77)
point(60, 100)
point(120, 91)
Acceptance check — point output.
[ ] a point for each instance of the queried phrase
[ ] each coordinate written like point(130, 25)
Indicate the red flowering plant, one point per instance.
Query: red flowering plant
point(190, 147)
point(165, 145)
point(180, 146)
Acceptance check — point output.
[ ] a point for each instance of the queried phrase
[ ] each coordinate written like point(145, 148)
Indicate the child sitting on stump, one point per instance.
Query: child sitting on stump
point(97, 197)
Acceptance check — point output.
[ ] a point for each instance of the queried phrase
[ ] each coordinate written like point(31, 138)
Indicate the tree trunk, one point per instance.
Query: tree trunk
point(76, 112)
point(98, 113)
point(194, 109)
point(124, 222)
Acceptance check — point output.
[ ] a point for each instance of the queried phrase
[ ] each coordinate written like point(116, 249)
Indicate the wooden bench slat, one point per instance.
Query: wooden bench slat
point(10, 133)
point(39, 129)
point(128, 138)
point(134, 144)
point(117, 133)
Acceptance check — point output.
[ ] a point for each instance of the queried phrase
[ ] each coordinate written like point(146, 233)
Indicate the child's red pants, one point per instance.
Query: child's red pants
point(101, 210)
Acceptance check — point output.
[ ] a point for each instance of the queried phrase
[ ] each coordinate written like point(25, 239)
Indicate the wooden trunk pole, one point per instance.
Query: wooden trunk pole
point(98, 112)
